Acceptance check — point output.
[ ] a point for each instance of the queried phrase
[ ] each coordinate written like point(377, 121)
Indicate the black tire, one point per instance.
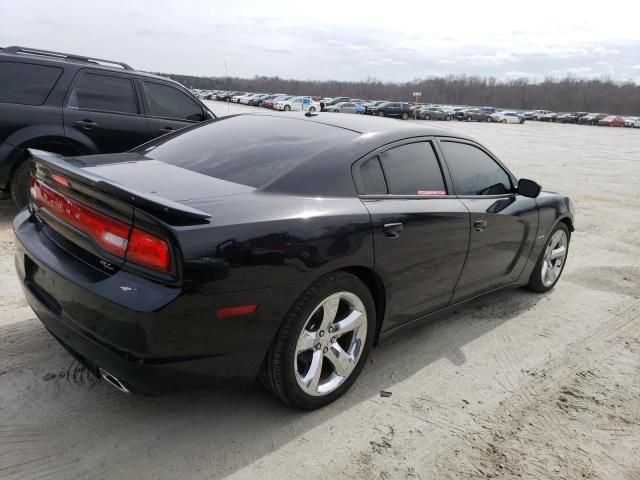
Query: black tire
point(312, 109)
point(287, 108)
point(405, 115)
point(468, 119)
point(488, 119)
point(427, 117)
point(448, 118)
point(278, 370)
point(20, 183)
point(535, 280)
point(381, 114)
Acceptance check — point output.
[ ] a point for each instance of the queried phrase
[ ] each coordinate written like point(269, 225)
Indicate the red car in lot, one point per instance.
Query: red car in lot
point(611, 121)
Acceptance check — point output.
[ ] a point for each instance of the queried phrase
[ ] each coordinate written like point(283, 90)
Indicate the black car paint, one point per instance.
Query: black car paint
point(52, 125)
point(265, 246)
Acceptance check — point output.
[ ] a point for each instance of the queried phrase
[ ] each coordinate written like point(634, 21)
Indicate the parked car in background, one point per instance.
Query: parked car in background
point(298, 104)
point(344, 107)
point(630, 121)
point(636, 123)
point(477, 115)
point(433, 113)
point(75, 105)
point(272, 103)
point(611, 121)
point(535, 114)
point(505, 116)
point(333, 101)
point(256, 99)
point(392, 109)
point(591, 118)
point(570, 117)
point(246, 98)
point(548, 117)
point(369, 105)
point(270, 259)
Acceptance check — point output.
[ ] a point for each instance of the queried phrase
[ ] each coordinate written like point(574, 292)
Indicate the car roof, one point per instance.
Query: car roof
point(78, 62)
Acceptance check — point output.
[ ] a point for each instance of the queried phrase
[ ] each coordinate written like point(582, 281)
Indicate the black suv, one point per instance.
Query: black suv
point(392, 109)
point(74, 105)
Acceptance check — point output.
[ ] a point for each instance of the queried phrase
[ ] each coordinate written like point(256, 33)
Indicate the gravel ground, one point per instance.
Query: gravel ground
point(516, 385)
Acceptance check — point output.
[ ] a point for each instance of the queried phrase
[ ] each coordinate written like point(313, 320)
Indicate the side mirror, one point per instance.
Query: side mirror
point(528, 188)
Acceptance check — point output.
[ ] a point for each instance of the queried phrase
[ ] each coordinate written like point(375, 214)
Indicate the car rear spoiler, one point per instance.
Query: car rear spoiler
point(144, 201)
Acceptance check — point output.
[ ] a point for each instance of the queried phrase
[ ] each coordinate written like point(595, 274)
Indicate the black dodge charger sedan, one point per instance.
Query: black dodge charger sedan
point(280, 247)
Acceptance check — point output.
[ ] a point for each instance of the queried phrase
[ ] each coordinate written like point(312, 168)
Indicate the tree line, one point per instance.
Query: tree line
point(558, 94)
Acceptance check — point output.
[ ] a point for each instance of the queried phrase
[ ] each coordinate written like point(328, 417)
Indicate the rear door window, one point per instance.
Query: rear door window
point(27, 83)
point(413, 169)
point(169, 102)
point(105, 93)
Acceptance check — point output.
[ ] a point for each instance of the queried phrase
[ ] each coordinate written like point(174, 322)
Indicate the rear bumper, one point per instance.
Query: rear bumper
point(160, 338)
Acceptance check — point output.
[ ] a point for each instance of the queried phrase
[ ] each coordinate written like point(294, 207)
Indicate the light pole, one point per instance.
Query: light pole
point(415, 110)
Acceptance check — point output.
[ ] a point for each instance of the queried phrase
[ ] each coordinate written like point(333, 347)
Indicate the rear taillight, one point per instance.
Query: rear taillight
point(148, 250)
point(113, 236)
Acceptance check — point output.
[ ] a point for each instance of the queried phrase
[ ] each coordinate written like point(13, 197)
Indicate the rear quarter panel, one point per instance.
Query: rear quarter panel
point(262, 240)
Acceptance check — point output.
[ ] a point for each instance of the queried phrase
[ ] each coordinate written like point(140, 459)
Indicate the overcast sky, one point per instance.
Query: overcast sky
point(344, 40)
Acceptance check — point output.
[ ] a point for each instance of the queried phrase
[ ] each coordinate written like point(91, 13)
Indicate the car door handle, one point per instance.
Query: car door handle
point(392, 230)
point(86, 124)
point(479, 225)
point(166, 130)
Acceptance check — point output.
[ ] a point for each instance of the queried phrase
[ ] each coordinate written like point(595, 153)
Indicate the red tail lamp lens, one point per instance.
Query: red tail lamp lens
point(114, 236)
point(149, 251)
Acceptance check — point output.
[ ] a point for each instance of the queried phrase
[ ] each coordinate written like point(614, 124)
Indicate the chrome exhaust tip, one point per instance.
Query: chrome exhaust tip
point(112, 380)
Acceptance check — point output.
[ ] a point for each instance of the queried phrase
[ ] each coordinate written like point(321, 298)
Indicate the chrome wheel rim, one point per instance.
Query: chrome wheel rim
point(330, 343)
point(554, 256)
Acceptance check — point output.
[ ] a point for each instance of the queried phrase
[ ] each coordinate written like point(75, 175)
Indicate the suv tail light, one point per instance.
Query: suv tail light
point(112, 235)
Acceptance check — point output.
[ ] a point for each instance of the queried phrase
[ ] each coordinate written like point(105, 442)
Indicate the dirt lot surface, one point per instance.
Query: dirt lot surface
point(516, 385)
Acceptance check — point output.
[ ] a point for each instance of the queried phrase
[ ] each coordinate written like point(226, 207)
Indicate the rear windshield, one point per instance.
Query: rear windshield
point(26, 83)
point(251, 150)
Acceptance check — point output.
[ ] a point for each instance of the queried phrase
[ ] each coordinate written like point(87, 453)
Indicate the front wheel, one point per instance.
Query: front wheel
point(489, 119)
point(448, 118)
point(552, 260)
point(468, 119)
point(381, 114)
point(312, 109)
point(405, 115)
point(427, 117)
point(322, 344)
point(287, 108)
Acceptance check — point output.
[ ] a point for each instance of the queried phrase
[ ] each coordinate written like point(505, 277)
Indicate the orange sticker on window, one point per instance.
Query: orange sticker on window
point(432, 192)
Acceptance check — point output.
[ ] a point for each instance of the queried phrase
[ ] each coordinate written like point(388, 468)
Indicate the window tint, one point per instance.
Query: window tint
point(413, 169)
point(473, 171)
point(246, 149)
point(104, 92)
point(26, 83)
point(372, 178)
point(167, 101)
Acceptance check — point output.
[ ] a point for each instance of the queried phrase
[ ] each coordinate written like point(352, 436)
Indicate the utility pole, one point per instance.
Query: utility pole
point(415, 110)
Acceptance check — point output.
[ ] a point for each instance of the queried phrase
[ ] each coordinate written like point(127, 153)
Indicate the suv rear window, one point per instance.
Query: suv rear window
point(246, 149)
point(27, 83)
point(106, 93)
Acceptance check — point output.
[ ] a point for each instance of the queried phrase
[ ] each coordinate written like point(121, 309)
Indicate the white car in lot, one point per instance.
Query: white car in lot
point(632, 122)
point(507, 117)
point(298, 104)
point(245, 98)
point(236, 98)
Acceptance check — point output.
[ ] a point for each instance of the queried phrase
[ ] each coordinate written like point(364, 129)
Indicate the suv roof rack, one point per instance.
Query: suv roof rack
point(65, 56)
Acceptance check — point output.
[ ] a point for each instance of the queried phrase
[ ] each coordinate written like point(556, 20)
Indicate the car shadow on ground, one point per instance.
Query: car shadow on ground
point(224, 430)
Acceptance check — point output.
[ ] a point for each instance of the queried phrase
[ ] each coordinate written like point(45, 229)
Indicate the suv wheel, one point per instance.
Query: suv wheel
point(405, 115)
point(20, 183)
point(322, 344)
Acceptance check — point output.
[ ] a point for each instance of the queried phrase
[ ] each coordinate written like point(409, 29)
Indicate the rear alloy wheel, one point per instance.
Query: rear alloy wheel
point(552, 260)
point(504, 120)
point(287, 108)
point(468, 119)
point(489, 119)
point(448, 118)
point(405, 115)
point(322, 344)
point(312, 109)
point(427, 117)
point(381, 114)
